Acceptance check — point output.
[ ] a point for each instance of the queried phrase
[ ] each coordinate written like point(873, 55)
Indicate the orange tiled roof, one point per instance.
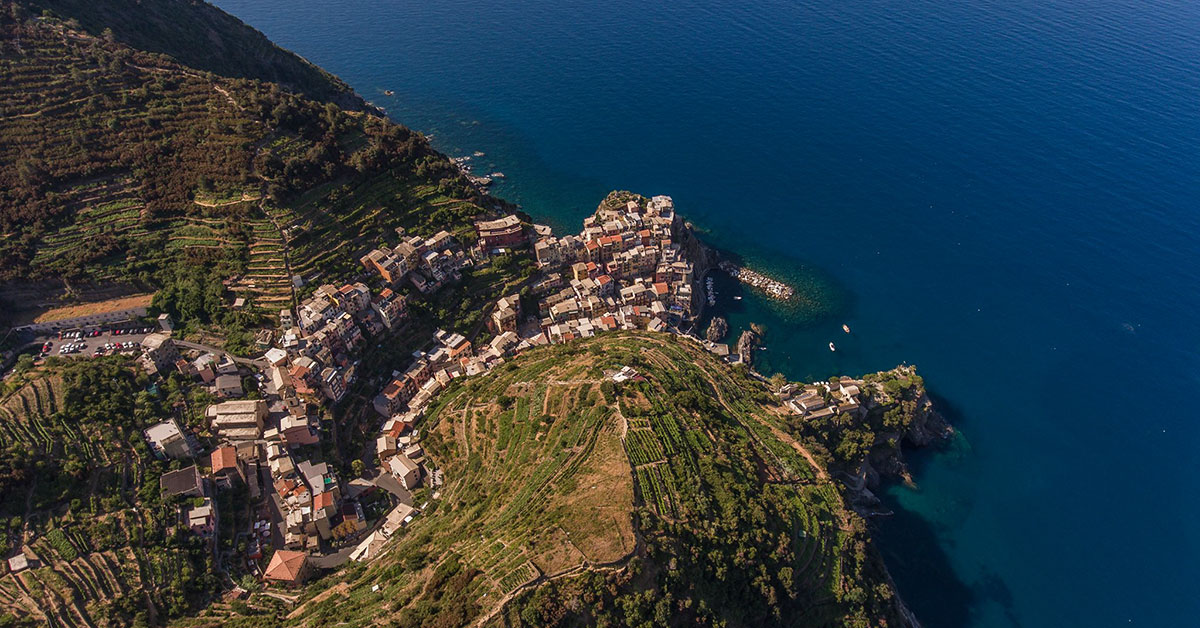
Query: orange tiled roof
point(224, 458)
point(286, 565)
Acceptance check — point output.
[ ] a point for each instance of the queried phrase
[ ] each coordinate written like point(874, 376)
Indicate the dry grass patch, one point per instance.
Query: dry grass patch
point(97, 307)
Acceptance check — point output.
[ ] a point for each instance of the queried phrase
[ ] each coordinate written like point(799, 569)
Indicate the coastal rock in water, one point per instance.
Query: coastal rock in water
point(745, 346)
point(717, 329)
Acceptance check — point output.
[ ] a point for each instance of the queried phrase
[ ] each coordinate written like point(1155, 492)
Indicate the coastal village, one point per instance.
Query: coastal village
point(628, 269)
point(269, 357)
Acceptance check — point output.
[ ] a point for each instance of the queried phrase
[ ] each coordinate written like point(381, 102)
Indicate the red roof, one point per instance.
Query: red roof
point(224, 458)
point(323, 500)
point(660, 288)
point(286, 565)
point(392, 390)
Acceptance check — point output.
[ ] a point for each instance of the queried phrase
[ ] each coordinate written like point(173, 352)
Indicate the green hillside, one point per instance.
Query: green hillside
point(123, 166)
point(79, 487)
point(677, 500)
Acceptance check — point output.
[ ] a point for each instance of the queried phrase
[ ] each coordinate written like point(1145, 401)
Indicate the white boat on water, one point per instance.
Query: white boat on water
point(845, 328)
point(831, 347)
point(737, 298)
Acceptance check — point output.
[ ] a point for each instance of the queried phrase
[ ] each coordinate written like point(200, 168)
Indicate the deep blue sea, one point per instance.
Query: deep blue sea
point(1005, 193)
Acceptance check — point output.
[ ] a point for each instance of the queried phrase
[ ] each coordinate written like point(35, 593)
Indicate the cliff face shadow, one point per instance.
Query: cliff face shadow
point(924, 576)
point(914, 547)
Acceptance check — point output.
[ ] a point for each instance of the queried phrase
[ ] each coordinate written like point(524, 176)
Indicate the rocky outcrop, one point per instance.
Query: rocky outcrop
point(745, 346)
point(717, 329)
point(928, 425)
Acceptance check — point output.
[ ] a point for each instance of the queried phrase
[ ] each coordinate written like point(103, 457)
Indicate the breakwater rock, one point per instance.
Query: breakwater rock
point(771, 287)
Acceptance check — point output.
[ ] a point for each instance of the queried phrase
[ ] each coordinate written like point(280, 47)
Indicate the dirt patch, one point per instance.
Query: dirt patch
point(597, 513)
point(97, 307)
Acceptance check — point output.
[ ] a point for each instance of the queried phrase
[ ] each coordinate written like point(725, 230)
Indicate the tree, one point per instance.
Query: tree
point(24, 363)
point(358, 468)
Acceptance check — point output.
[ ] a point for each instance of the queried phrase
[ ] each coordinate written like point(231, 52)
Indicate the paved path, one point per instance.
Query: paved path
point(255, 362)
point(334, 560)
point(389, 483)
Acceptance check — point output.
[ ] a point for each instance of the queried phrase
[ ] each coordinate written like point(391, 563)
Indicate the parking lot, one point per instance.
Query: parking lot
point(94, 342)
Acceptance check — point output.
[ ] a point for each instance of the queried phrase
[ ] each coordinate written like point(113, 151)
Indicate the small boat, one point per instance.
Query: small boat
point(831, 347)
point(845, 328)
point(388, 92)
point(737, 298)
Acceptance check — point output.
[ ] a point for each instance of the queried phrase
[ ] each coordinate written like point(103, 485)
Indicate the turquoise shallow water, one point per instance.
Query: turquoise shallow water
point(1003, 193)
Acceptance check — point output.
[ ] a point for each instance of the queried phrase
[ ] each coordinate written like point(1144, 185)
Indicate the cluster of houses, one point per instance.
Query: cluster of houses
point(451, 356)
point(266, 443)
point(824, 400)
point(426, 263)
point(625, 270)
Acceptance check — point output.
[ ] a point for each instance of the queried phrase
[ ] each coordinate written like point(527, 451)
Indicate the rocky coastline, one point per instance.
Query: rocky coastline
point(886, 461)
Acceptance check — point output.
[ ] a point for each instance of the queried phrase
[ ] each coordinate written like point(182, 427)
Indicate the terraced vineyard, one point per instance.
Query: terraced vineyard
point(556, 478)
point(83, 487)
point(118, 165)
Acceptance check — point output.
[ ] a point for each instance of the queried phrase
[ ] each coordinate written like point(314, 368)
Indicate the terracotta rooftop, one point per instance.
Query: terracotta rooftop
point(224, 458)
point(286, 566)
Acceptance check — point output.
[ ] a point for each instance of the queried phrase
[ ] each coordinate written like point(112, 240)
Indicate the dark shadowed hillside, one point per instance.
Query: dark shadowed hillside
point(201, 36)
